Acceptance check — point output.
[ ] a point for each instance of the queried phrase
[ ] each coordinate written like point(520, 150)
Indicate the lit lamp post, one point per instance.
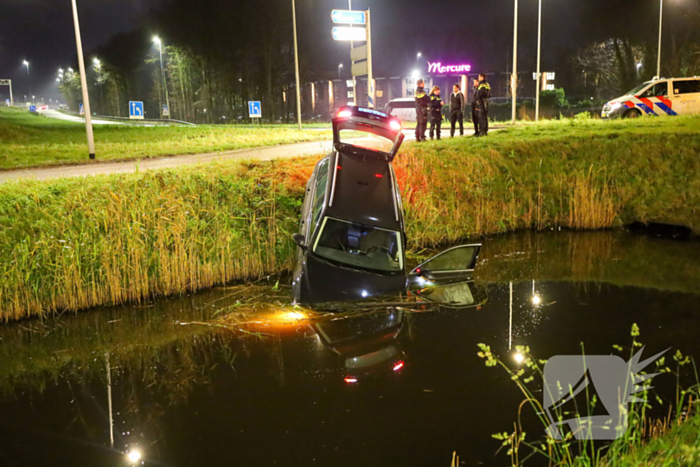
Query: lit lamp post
point(83, 83)
point(539, 73)
point(296, 62)
point(514, 79)
point(98, 69)
point(340, 67)
point(159, 43)
point(661, 28)
point(29, 78)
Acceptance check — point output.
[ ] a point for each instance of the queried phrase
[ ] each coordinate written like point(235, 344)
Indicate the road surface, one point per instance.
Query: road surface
point(70, 118)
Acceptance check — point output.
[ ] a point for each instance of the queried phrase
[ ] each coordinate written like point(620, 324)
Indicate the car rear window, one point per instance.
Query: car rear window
point(360, 246)
point(686, 87)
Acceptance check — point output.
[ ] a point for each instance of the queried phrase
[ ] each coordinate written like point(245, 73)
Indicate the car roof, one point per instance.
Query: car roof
point(403, 99)
point(363, 192)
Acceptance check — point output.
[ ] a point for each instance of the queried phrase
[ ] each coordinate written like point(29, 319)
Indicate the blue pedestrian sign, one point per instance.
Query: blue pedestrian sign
point(166, 110)
point(32, 108)
point(254, 109)
point(81, 110)
point(349, 17)
point(136, 110)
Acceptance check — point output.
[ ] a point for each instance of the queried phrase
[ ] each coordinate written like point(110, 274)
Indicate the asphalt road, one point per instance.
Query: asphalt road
point(70, 118)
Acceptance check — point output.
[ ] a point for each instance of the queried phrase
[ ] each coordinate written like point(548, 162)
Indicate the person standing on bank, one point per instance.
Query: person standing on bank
point(475, 105)
point(422, 104)
point(483, 95)
point(436, 104)
point(456, 111)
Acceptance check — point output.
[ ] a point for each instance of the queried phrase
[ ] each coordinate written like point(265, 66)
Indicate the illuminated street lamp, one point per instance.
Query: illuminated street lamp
point(29, 78)
point(159, 43)
point(340, 67)
point(98, 68)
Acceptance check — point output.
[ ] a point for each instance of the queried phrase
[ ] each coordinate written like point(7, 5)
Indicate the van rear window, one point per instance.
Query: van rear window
point(686, 87)
point(402, 105)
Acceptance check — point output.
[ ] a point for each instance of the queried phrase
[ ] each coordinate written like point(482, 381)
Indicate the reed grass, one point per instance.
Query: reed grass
point(71, 244)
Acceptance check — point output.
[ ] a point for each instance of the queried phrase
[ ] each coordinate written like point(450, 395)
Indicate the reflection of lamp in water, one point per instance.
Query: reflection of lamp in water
point(519, 358)
point(133, 456)
point(536, 299)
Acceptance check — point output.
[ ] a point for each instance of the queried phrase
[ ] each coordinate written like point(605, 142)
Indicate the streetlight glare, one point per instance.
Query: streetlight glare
point(156, 39)
point(25, 63)
point(133, 456)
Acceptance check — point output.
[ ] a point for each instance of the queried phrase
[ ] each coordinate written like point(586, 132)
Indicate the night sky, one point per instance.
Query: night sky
point(476, 32)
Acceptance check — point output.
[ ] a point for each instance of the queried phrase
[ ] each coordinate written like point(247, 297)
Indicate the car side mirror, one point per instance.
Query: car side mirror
point(300, 240)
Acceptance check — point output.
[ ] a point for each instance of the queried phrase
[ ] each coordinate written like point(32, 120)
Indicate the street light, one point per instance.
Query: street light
point(539, 73)
point(514, 79)
point(98, 68)
point(159, 43)
point(29, 78)
point(340, 67)
point(83, 82)
point(661, 28)
point(296, 61)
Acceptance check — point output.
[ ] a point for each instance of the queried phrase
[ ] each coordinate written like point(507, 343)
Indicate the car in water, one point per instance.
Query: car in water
point(351, 240)
point(659, 97)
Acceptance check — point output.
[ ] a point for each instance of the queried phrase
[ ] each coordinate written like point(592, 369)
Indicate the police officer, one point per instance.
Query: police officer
point(483, 95)
point(422, 103)
point(457, 111)
point(436, 104)
point(475, 106)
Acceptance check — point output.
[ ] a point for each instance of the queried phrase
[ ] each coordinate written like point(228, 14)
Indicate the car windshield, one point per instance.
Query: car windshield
point(366, 137)
point(360, 246)
point(634, 91)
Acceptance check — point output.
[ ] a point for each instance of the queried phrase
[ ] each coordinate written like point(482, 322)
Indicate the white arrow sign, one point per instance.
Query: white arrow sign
point(350, 34)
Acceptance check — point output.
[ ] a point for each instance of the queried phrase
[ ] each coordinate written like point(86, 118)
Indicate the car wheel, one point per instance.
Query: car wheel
point(632, 113)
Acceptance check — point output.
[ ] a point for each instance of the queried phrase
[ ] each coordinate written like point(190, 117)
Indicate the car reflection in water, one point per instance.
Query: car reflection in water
point(352, 240)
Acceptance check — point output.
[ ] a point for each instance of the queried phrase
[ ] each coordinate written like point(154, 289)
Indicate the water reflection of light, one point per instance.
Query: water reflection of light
point(398, 365)
point(536, 299)
point(350, 379)
point(364, 294)
point(133, 456)
point(519, 358)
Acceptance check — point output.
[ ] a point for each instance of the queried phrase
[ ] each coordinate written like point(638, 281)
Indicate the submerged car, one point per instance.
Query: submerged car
point(351, 239)
point(671, 97)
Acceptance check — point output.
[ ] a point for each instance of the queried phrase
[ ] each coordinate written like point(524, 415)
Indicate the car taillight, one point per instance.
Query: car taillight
point(395, 125)
point(344, 113)
point(379, 175)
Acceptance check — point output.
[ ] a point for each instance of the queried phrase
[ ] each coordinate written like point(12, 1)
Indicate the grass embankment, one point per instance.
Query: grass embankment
point(76, 243)
point(28, 140)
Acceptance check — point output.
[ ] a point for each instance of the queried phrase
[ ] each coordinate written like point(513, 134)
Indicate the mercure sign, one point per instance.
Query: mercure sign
point(437, 67)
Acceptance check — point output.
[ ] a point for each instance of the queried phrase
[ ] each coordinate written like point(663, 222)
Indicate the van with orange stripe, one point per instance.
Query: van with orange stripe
point(675, 96)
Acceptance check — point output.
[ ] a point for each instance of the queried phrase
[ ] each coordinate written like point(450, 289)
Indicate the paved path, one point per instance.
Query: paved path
point(266, 153)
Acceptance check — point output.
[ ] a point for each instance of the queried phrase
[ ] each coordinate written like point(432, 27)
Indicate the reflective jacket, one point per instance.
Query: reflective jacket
point(483, 94)
point(436, 104)
point(422, 101)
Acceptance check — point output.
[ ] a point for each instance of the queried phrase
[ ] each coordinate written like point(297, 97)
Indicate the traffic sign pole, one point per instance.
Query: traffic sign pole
point(83, 83)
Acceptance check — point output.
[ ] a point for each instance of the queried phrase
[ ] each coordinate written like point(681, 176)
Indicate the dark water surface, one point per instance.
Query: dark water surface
point(237, 376)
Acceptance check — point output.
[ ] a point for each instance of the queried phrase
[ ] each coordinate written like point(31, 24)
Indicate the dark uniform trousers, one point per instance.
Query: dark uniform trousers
point(454, 118)
point(435, 125)
point(421, 123)
point(483, 120)
point(475, 119)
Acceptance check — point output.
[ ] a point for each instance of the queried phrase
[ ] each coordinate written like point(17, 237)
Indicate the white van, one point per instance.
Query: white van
point(675, 96)
point(404, 109)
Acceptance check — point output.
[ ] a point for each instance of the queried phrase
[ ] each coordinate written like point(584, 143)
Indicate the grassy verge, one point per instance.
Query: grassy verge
point(75, 243)
point(30, 141)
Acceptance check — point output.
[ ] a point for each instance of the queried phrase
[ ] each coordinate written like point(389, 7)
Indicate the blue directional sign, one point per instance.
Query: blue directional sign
point(348, 17)
point(81, 110)
point(136, 109)
point(254, 109)
point(349, 34)
point(166, 111)
point(32, 108)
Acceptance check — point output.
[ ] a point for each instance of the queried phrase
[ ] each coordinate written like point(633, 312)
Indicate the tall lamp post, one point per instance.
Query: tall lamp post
point(159, 43)
point(340, 67)
point(98, 69)
point(661, 28)
point(296, 62)
point(514, 78)
point(29, 78)
point(83, 83)
point(539, 73)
